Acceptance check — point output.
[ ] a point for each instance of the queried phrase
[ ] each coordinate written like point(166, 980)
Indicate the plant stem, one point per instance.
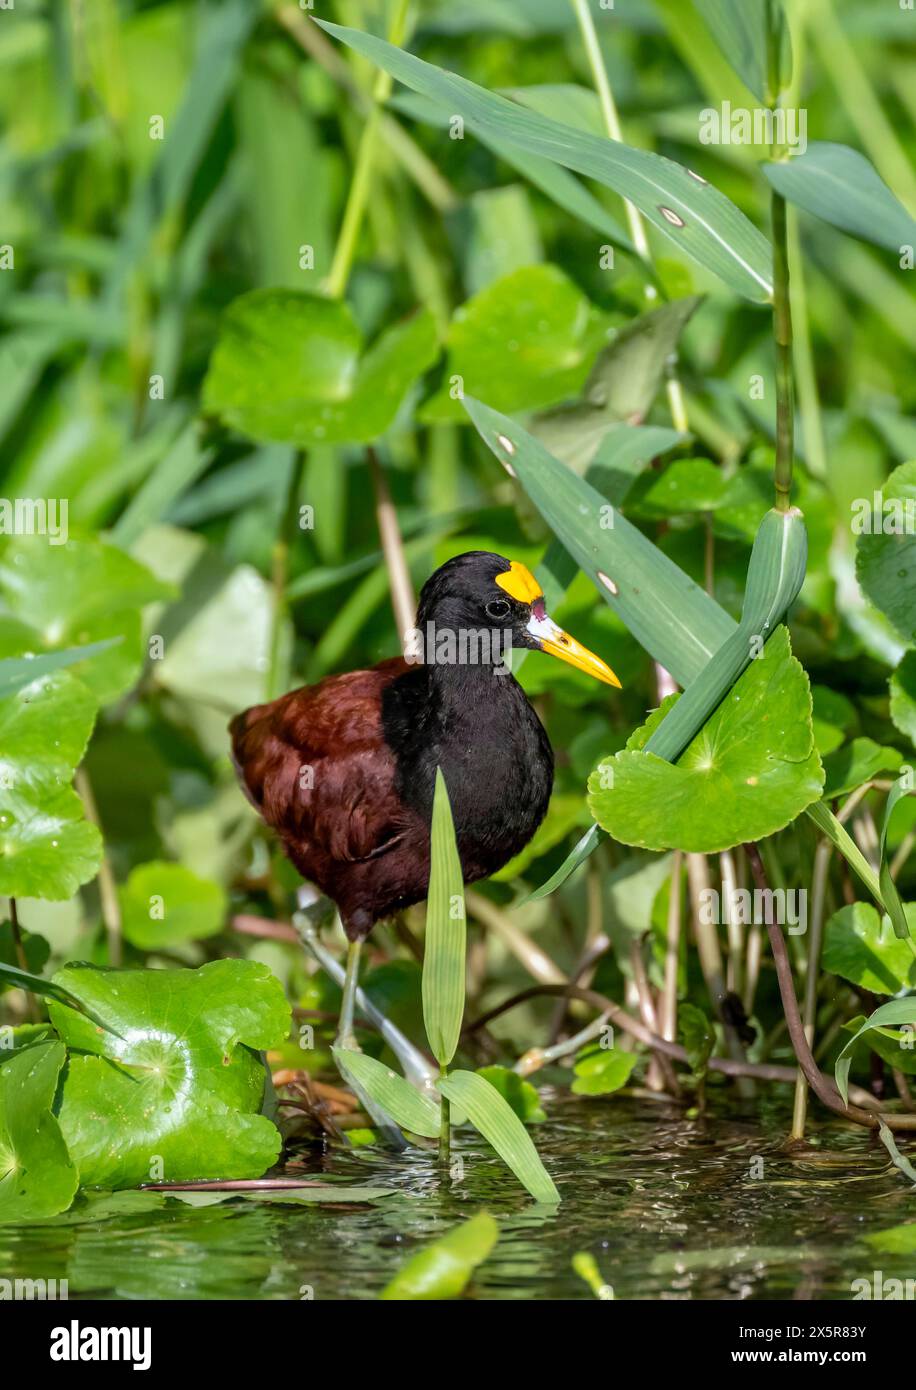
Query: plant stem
point(818, 895)
point(805, 374)
point(402, 596)
point(823, 1087)
point(445, 1127)
point(611, 121)
point(358, 196)
point(782, 308)
point(667, 1014)
point(108, 891)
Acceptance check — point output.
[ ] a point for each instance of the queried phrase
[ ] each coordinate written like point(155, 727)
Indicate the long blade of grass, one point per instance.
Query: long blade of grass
point(893, 903)
point(412, 1111)
point(446, 934)
point(689, 211)
point(500, 1126)
point(668, 614)
point(842, 187)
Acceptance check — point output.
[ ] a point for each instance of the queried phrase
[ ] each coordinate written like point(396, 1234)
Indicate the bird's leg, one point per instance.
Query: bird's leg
point(345, 1034)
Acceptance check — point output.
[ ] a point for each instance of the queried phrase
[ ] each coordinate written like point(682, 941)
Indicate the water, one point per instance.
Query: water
point(670, 1209)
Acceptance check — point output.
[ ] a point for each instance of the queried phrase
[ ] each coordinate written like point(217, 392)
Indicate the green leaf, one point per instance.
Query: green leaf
point(684, 487)
point(37, 1177)
point(178, 1096)
point(495, 1119)
point(525, 341)
point(862, 948)
point(886, 553)
point(698, 1036)
point(903, 696)
point(834, 717)
point(518, 1093)
point(416, 1113)
point(740, 28)
point(163, 904)
point(601, 1071)
point(750, 770)
point(841, 186)
point(19, 671)
point(47, 847)
point(895, 1240)
point(443, 1269)
point(896, 1012)
point(36, 948)
point(857, 762)
point(446, 934)
point(688, 210)
point(889, 894)
point(667, 613)
point(580, 851)
point(290, 366)
point(621, 386)
point(78, 594)
point(898, 1048)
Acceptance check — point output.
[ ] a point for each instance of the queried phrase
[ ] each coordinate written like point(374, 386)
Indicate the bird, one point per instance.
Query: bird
point(344, 771)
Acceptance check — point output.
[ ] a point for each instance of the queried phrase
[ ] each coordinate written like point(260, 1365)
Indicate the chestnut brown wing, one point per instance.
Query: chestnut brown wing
point(316, 766)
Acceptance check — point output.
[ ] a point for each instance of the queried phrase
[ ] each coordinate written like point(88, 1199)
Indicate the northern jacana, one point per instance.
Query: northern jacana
point(344, 771)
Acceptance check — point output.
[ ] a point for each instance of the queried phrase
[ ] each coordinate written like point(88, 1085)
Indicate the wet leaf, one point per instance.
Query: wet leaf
point(77, 594)
point(751, 769)
point(501, 1127)
point(37, 1177)
point(177, 1097)
point(697, 1035)
point(444, 1268)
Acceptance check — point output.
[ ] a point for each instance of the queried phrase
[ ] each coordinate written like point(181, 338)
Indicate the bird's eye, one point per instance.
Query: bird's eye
point(498, 609)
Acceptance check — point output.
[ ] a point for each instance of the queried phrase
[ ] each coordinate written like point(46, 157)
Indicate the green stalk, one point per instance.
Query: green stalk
point(782, 332)
point(445, 1126)
point(358, 196)
point(805, 374)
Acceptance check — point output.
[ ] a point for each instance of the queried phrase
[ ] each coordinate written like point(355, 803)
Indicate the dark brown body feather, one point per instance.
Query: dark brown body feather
point(343, 771)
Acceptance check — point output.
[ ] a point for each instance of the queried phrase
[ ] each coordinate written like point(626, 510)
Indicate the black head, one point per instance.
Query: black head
point(479, 592)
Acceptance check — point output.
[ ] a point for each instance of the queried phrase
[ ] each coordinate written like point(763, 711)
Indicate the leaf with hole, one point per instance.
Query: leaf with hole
point(687, 209)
